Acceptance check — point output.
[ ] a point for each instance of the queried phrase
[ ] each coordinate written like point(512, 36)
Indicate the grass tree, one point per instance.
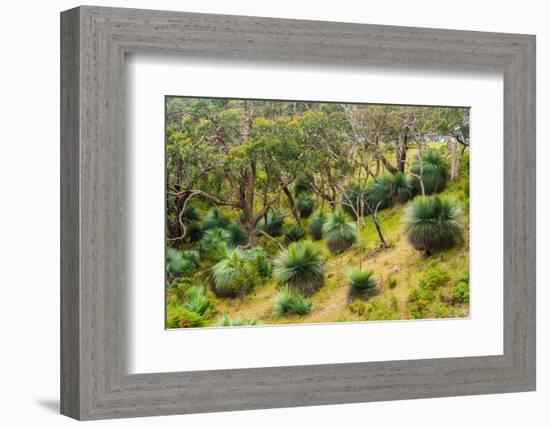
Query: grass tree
point(272, 224)
point(215, 219)
point(429, 173)
point(178, 263)
point(237, 235)
point(196, 300)
point(234, 275)
point(354, 198)
point(362, 283)
point(227, 321)
point(301, 267)
point(305, 205)
point(433, 223)
point(289, 303)
point(294, 232)
point(339, 232)
point(316, 223)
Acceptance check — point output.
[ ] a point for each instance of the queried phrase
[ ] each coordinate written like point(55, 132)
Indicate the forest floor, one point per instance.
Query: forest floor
point(398, 269)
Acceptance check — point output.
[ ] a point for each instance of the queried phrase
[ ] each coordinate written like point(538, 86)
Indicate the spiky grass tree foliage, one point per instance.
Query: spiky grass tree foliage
point(192, 256)
point(215, 219)
point(339, 232)
point(434, 173)
point(362, 283)
point(316, 223)
point(304, 204)
point(191, 213)
point(301, 267)
point(388, 189)
point(214, 244)
point(234, 276)
point(433, 223)
point(302, 185)
point(403, 190)
point(190, 308)
point(294, 232)
point(381, 191)
point(177, 316)
point(177, 264)
point(272, 224)
point(288, 303)
point(227, 321)
point(196, 300)
point(194, 231)
point(352, 199)
point(260, 260)
point(213, 237)
point(237, 235)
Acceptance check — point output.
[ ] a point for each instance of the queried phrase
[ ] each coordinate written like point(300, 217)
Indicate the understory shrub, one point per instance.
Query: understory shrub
point(294, 232)
point(195, 310)
point(177, 290)
point(196, 300)
point(215, 219)
point(288, 303)
point(237, 235)
point(433, 171)
point(358, 307)
point(433, 223)
point(304, 204)
point(216, 244)
point(316, 223)
point(460, 294)
point(194, 231)
point(272, 224)
point(434, 279)
point(392, 282)
point(300, 267)
point(426, 299)
point(179, 263)
point(234, 275)
point(383, 309)
point(387, 190)
point(227, 321)
point(362, 283)
point(178, 317)
point(191, 213)
point(302, 185)
point(339, 232)
point(260, 261)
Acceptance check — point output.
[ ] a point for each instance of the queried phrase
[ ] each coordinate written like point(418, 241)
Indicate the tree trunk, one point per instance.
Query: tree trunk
point(378, 229)
point(455, 158)
point(247, 202)
point(401, 154)
point(250, 227)
point(291, 203)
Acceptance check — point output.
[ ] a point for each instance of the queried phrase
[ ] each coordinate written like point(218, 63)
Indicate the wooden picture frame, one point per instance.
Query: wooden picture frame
point(94, 382)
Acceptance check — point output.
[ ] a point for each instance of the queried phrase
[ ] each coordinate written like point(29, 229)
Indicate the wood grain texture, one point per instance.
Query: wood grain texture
point(70, 292)
point(95, 239)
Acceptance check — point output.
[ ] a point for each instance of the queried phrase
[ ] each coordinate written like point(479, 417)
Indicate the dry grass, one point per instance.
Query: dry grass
point(331, 304)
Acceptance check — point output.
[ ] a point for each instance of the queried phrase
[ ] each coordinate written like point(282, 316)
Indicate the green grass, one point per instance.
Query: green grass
point(289, 303)
point(362, 283)
point(410, 285)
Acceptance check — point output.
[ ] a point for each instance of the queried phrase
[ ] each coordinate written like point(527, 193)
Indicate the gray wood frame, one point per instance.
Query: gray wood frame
point(94, 383)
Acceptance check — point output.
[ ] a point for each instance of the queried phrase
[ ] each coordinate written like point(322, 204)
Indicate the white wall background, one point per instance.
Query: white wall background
point(29, 212)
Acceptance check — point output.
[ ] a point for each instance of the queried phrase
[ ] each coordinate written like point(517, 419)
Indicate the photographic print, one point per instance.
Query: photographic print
point(295, 212)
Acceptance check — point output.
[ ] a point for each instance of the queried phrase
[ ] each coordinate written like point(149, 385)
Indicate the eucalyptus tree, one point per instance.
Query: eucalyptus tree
point(453, 125)
point(226, 146)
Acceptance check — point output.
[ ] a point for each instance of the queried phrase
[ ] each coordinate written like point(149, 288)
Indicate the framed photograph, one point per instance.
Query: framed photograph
point(262, 213)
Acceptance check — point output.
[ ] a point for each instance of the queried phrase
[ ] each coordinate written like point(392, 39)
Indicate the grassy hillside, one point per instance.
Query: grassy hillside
point(411, 285)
